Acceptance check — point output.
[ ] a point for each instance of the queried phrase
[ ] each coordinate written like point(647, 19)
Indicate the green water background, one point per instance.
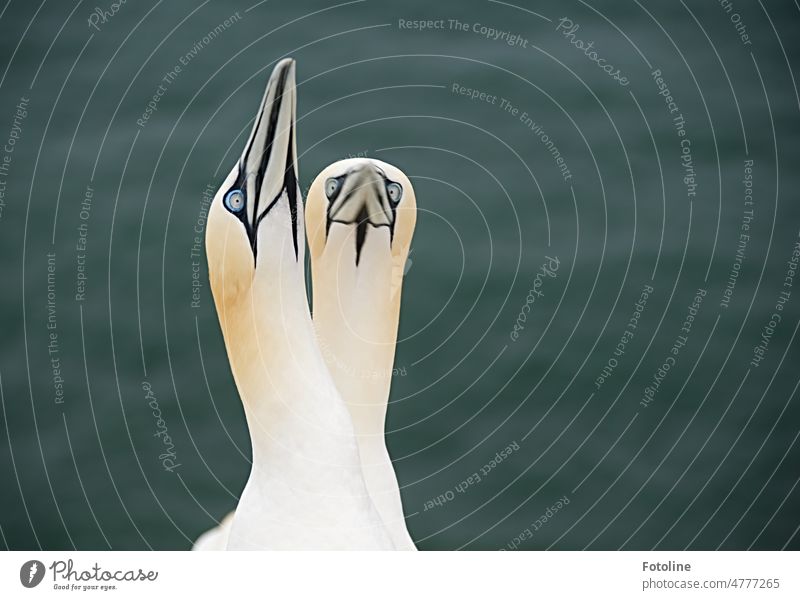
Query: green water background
point(711, 462)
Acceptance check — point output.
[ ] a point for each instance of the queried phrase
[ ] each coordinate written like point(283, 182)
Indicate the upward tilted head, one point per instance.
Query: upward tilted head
point(306, 489)
point(258, 203)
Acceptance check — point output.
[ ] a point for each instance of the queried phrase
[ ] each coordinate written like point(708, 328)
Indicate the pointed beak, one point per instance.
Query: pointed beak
point(268, 165)
point(362, 201)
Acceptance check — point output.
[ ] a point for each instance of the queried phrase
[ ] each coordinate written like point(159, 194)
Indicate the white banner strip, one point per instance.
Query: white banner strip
point(378, 576)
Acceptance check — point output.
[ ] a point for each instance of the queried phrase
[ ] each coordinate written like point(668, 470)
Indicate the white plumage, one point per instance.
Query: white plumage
point(320, 466)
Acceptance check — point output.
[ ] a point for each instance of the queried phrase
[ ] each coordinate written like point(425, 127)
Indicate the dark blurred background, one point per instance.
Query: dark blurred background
point(590, 175)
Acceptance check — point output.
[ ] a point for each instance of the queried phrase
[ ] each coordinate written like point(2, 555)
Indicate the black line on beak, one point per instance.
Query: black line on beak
point(361, 231)
point(362, 220)
point(289, 186)
point(270, 140)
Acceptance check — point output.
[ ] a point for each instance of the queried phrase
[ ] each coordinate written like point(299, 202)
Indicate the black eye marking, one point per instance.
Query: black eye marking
point(389, 184)
point(333, 186)
point(393, 192)
point(235, 200)
point(289, 185)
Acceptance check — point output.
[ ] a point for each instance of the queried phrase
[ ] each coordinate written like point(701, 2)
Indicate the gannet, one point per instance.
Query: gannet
point(306, 489)
point(360, 218)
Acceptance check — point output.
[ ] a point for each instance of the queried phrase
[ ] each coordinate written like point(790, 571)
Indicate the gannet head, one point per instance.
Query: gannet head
point(360, 219)
point(253, 231)
point(354, 200)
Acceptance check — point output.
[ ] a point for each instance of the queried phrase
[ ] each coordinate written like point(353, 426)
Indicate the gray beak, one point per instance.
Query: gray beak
point(361, 199)
point(268, 165)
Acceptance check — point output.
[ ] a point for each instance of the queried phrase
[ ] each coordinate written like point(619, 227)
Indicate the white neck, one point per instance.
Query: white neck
point(356, 312)
point(306, 489)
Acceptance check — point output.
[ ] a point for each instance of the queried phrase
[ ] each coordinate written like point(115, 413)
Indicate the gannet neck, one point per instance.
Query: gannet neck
point(359, 243)
point(277, 365)
point(306, 489)
point(356, 316)
point(306, 475)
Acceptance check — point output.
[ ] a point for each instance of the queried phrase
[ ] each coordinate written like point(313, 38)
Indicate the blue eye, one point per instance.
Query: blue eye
point(332, 186)
point(234, 200)
point(395, 191)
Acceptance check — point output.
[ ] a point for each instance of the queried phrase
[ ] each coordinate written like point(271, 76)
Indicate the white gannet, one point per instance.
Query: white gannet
point(306, 489)
point(360, 218)
point(356, 310)
point(358, 256)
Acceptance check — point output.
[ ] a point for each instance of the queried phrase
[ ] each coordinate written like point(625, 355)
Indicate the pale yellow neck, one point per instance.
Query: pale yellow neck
point(356, 312)
point(281, 377)
point(306, 475)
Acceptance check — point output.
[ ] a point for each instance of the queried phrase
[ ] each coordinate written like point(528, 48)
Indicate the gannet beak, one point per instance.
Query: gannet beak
point(268, 165)
point(362, 200)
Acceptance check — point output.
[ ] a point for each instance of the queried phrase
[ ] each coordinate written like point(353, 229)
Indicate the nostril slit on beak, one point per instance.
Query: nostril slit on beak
point(363, 202)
